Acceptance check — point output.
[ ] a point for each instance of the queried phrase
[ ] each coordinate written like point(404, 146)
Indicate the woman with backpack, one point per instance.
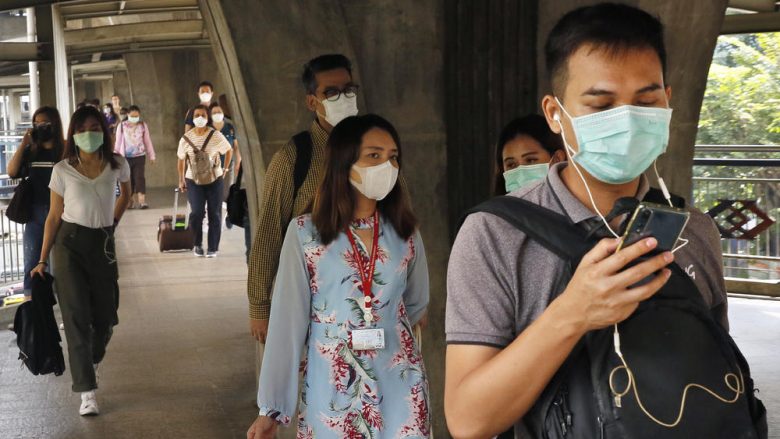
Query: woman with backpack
point(352, 282)
point(134, 143)
point(200, 175)
point(80, 231)
point(39, 151)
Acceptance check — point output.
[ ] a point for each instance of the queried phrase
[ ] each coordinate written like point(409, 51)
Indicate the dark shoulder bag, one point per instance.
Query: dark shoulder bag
point(236, 201)
point(19, 209)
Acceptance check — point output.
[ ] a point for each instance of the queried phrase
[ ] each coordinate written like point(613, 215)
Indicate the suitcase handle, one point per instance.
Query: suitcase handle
point(176, 210)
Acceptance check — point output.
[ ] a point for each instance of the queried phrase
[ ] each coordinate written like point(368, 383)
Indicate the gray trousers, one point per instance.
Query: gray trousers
point(86, 279)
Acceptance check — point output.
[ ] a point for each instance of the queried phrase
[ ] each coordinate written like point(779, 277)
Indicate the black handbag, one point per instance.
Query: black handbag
point(237, 202)
point(19, 209)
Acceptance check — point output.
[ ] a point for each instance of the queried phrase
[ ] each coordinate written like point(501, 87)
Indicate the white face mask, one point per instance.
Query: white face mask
point(205, 97)
point(134, 119)
point(218, 117)
point(200, 121)
point(339, 110)
point(376, 181)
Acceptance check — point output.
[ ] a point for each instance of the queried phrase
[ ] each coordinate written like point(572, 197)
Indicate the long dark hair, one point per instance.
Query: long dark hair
point(334, 204)
point(56, 127)
point(532, 125)
point(79, 118)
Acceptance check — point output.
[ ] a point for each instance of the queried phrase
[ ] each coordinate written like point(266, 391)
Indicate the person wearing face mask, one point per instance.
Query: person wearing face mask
point(512, 317)
point(201, 177)
point(352, 282)
point(526, 149)
point(123, 114)
point(134, 143)
point(111, 117)
point(205, 94)
point(225, 126)
point(79, 231)
point(292, 178)
point(40, 150)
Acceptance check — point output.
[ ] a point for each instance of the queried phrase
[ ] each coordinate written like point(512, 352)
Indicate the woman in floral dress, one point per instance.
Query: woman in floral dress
point(363, 375)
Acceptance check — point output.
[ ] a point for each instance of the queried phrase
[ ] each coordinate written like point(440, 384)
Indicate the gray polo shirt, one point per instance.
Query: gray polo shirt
point(499, 281)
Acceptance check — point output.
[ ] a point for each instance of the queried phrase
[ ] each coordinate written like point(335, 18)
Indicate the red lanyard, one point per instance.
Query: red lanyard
point(366, 276)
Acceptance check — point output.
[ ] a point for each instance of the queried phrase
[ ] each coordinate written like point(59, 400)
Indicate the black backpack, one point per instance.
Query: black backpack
point(303, 152)
point(671, 340)
point(37, 334)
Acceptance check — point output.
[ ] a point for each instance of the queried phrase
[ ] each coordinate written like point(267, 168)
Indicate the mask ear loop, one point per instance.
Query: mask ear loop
point(570, 152)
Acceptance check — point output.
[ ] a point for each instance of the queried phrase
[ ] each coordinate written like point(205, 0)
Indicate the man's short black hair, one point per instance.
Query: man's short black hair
point(323, 63)
point(205, 84)
point(607, 26)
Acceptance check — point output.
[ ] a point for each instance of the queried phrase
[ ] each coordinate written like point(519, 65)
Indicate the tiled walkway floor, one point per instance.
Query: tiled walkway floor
point(181, 362)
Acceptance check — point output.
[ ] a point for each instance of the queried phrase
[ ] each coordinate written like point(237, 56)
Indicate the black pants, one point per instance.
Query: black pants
point(137, 174)
point(86, 279)
point(201, 197)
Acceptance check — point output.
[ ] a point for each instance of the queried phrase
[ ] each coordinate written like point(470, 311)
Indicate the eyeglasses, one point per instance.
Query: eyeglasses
point(333, 94)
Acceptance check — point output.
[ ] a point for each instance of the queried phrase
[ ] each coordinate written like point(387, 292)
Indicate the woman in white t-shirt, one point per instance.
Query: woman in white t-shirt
point(200, 175)
point(80, 231)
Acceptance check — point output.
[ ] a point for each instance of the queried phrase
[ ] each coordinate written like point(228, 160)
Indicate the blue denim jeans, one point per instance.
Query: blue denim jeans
point(247, 235)
point(202, 198)
point(33, 240)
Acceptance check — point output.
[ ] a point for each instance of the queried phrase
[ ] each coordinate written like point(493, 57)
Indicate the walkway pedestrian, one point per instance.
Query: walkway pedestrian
point(200, 175)
point(133, 141)
point(526, 149)
point(352, 282)
point(80, 230)
point(40, 150)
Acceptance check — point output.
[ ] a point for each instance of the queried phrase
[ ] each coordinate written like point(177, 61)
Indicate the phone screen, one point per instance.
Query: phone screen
point(663, 223)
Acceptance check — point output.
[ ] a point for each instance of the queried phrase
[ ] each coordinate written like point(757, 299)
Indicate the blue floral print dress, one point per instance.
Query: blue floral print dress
point(317, 301)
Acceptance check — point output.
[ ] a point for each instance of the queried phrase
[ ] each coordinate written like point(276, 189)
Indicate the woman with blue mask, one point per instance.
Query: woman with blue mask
point(526, 149)
point(79, 231)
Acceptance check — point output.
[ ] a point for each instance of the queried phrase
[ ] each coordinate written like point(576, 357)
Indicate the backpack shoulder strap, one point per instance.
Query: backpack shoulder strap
point(303, 148)
point(188, 140)
point(553, 231)
point(656, 196)
point(208, 138)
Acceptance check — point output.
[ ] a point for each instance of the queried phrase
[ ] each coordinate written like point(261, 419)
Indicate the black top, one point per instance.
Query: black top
point(38, 167)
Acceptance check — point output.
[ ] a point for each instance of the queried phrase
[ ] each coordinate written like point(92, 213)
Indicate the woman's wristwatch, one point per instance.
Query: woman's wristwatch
point(43, 263)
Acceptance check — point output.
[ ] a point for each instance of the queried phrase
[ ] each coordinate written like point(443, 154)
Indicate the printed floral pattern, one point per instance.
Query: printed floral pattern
point(360, 394)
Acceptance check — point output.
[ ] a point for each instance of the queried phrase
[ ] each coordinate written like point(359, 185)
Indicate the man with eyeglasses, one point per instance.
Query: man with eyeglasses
point(292, 178)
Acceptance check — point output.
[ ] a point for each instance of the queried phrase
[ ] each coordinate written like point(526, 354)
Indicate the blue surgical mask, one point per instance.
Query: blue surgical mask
point(89, 141)
point(618, 145)
point(522, 176)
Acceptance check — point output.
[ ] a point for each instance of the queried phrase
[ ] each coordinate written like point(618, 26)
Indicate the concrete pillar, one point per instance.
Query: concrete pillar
point(61, 73)
point(45, 33)
point(122, 88)
point(692, 28)
point(35, 97)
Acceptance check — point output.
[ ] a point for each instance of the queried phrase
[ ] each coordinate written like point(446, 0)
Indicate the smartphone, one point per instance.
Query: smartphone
point(663, 223)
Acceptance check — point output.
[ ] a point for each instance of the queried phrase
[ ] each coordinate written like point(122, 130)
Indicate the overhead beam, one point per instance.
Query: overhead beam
point(134, 33)
point(148, 46)
point(14, 81)
point(751, 23)
point(7, 5)
point(126, 13)
point(753, 5)
point(25, 51)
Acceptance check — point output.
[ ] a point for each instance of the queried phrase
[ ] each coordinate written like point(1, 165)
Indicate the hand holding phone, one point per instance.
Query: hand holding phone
point(663, 223)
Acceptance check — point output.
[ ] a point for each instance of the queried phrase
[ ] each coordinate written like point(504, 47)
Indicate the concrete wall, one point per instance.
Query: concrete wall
point(692, 28)
point(164, 87)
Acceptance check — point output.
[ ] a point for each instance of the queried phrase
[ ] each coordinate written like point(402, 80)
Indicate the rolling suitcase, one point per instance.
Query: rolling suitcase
point(173, 232)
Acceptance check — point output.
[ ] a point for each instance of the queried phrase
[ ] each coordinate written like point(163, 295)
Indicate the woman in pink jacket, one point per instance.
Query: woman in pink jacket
point(134, 143)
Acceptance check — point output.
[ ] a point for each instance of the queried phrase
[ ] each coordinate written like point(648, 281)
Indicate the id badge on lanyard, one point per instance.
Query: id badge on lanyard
point(367, 338)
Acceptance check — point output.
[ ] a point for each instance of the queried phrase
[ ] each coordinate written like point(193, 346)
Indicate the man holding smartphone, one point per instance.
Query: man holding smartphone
point(511, 319)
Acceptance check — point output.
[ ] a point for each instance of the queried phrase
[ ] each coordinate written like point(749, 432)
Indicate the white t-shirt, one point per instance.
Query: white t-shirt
point(218, 145)
point(89, 203)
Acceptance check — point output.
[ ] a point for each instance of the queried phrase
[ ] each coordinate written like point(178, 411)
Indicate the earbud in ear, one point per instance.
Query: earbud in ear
point(557, 117)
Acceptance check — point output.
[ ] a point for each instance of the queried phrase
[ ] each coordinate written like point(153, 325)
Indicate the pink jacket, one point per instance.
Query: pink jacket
point(125, 129)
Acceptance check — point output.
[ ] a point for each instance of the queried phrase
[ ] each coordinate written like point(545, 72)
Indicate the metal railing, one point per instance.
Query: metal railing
point(9, 142)
point(11, 250)
point(749, 173)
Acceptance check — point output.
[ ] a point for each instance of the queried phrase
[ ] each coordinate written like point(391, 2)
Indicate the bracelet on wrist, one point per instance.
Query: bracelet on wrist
point(43, 263)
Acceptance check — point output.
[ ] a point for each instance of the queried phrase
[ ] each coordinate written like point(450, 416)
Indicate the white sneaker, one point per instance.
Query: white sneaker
point(89, 406)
